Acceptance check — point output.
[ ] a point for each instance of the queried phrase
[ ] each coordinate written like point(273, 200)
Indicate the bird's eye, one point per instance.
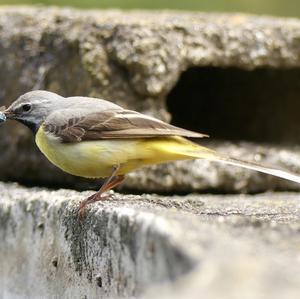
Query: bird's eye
point(26, 107)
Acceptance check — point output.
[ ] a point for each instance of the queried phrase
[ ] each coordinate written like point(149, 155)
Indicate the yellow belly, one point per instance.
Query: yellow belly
point(95, 159)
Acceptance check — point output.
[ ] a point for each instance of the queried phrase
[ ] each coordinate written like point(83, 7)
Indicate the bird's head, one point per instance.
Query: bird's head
point(32, 108)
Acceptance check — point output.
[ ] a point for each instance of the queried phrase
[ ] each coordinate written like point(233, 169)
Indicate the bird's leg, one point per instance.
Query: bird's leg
point(112, 181)
point(117, 180)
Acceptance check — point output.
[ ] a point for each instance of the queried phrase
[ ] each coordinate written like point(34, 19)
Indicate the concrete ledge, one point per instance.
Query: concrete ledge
point(118, 250)
point(228, 246)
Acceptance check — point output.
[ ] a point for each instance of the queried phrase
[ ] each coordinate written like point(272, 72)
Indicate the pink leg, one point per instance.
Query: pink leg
point(111, 182)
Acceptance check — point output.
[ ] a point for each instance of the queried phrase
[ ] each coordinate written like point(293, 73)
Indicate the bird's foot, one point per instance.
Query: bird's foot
point(109, 183)
point(91, 199)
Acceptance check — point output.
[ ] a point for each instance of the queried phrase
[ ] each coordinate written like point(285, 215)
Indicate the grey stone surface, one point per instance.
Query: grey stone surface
point(208, 246)
point(136, 59)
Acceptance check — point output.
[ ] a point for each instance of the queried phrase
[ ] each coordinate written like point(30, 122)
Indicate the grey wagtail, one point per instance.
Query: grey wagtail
point(94, 138)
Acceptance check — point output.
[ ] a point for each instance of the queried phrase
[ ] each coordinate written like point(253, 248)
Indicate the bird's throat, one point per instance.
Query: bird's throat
point(32, 126)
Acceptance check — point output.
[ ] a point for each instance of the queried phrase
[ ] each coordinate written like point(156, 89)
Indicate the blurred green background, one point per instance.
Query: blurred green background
point(272, 7)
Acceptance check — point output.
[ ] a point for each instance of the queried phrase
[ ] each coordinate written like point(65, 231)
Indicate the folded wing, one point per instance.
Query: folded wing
point(73, 125)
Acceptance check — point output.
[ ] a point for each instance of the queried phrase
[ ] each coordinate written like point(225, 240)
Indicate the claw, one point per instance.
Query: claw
point(91, 199)
point(112, 181)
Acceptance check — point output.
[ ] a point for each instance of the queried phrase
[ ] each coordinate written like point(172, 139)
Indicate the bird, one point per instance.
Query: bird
point(94, 138)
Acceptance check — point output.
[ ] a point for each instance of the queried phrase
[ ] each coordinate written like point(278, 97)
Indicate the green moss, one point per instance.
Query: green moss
point(273, 7)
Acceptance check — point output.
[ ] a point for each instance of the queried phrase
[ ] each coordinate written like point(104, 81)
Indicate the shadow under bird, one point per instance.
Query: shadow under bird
point(94, 138)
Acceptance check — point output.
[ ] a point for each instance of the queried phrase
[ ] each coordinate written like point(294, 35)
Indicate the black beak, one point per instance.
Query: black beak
point(5, 114)
point(2, 117)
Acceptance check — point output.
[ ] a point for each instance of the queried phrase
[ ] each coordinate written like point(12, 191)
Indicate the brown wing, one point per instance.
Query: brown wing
point(109, 124)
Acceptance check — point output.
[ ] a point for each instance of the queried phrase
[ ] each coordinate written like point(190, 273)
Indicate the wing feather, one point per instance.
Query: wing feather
point(77, 125)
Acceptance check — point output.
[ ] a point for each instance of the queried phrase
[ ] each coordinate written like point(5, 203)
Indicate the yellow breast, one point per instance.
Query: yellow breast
point(95, 159)
point(91, 159)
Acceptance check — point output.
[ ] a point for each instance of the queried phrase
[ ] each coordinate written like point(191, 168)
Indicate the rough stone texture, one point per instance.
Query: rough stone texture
point(209, 246)
point(136, 59)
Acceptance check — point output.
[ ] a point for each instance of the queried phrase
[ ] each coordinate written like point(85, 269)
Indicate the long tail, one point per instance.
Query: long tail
point(179, 148)
point(214, 156)
point(258, 167)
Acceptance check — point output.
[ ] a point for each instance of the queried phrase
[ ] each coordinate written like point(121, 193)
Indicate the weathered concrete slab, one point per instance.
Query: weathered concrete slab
point(136, 59)
point(136, 246)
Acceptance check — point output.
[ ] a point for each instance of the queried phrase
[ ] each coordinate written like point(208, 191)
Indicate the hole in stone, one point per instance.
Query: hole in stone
point(55, 262)
point(261, 105)
point(99, 281)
